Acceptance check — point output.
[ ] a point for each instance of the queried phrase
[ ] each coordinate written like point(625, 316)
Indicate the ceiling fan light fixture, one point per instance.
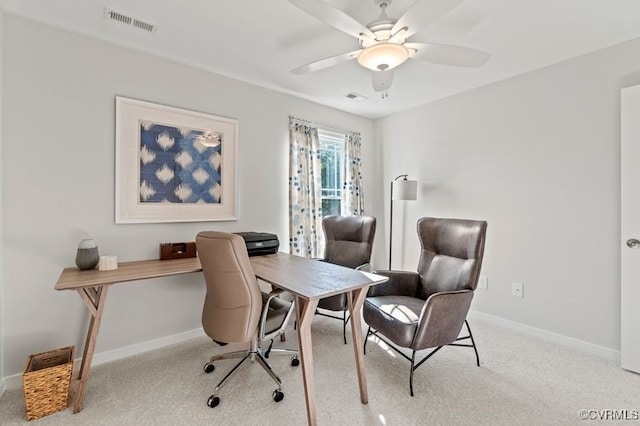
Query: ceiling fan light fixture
point(383, 56)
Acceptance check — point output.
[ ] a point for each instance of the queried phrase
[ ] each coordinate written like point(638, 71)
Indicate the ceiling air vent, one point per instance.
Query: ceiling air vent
point(356, 97)
point(129, 20)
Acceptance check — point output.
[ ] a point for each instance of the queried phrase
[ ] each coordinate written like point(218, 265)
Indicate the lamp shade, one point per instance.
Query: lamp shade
point(403, 189)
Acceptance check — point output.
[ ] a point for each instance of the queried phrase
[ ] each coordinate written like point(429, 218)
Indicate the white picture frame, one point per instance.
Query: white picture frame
point(173, 164)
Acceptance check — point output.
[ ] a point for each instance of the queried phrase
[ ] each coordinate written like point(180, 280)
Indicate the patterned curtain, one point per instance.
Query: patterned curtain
point(305, 190)
point(352, 203)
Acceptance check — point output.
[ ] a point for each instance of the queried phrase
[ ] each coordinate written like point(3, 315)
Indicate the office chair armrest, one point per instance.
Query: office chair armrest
point(442, 318)
point(401, 283)
point(276, 292)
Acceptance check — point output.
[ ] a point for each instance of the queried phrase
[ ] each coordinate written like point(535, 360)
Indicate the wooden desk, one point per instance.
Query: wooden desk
point(307, 279)
point(310, 280)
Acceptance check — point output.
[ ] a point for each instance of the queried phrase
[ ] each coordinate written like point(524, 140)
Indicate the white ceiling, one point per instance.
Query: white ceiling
point(259, 41)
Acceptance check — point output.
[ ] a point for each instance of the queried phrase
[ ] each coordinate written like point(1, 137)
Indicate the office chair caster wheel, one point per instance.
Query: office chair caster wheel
point(208, 368)
point(278, 395)
point(295, 361)
point(213, 401)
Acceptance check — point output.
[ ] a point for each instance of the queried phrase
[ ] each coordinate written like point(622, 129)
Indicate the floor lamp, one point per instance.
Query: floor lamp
point(401, 189)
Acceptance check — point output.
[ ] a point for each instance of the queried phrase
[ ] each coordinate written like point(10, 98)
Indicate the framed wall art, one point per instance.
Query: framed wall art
point(173, 164)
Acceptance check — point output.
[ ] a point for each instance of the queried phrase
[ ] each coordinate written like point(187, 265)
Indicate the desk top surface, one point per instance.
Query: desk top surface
point(304, 277)
point(73, 278)
point(310, 278)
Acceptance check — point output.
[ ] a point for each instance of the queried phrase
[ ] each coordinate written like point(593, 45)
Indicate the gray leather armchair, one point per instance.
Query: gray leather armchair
point(236, 310)
point(426, 309)
point(348, 242)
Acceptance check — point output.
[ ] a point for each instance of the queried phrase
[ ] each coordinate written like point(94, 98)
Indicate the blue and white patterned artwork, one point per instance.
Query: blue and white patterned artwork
point(176, 168)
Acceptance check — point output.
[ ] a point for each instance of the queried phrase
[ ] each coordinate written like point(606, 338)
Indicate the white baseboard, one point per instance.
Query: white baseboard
point(15, 381)
point(549, 336)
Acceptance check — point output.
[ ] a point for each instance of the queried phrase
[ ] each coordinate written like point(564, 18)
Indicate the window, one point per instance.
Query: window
point(332, 166)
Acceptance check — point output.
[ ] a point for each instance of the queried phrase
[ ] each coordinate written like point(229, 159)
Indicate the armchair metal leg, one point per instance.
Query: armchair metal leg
point(413, 360)
point(345, 320)
point(473, 343)
point(366, 339)
point(415, 366)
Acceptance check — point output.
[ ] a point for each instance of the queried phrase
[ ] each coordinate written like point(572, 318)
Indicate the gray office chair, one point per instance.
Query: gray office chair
point(236, 310)
point(426, 309)
point(348, 242)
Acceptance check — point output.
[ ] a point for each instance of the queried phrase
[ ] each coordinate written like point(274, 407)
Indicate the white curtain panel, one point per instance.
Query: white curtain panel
point(352, 203)
point(306, 238)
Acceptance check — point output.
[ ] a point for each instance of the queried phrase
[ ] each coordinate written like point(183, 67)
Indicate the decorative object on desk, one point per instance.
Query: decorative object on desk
point(177, 250)
point(108, 263)
point(87, 256)
point(400, 190)
point(46, 382)
point(172, 164)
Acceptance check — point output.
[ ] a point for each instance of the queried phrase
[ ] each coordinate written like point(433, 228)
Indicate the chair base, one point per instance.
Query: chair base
point(254, 353)
point(412, 359)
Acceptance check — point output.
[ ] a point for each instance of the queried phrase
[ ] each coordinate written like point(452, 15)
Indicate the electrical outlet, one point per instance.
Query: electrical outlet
point(517, 289)
point(483, 283)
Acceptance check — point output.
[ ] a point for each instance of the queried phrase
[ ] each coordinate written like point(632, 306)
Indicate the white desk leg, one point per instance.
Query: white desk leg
point(94, 299)
point(305, 309)
point(356, 300)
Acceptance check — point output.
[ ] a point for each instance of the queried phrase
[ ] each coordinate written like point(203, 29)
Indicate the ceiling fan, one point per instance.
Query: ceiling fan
point(383, 42)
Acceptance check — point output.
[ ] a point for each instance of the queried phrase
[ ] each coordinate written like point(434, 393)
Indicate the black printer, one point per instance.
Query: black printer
point(260, 243)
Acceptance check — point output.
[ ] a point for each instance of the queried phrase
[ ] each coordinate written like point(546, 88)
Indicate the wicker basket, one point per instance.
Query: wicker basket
point(46, 382)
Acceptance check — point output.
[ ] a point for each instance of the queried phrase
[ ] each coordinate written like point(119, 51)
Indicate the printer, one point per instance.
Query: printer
point(260, 243)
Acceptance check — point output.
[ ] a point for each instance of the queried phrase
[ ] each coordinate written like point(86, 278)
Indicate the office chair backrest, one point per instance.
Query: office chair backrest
point(451, 255)
point(348, 239)
point(233, 302)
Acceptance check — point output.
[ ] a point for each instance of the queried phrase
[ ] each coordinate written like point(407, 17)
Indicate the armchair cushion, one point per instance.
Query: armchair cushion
point(397, 315)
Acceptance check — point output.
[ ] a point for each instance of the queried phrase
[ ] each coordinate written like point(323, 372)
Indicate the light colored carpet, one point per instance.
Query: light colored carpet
point(521, 381)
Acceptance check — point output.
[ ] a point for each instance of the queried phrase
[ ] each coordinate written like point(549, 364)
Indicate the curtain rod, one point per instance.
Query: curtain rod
point(324, 126)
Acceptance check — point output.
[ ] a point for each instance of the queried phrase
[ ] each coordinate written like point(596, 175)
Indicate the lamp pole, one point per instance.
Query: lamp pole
point(391, 217)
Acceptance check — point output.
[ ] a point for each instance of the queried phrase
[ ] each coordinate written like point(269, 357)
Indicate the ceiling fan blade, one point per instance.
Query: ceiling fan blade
point(334, 17)
point(382, 80)
point(448, 54)
point(421, 14)
point(326, 62)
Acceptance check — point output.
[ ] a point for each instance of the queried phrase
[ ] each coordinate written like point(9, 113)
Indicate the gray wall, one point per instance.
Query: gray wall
point(58, 142)
point(538, 157)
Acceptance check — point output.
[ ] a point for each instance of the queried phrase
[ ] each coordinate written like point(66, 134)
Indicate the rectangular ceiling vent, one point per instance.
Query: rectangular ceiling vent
point(129, 20)
point(356, 97)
